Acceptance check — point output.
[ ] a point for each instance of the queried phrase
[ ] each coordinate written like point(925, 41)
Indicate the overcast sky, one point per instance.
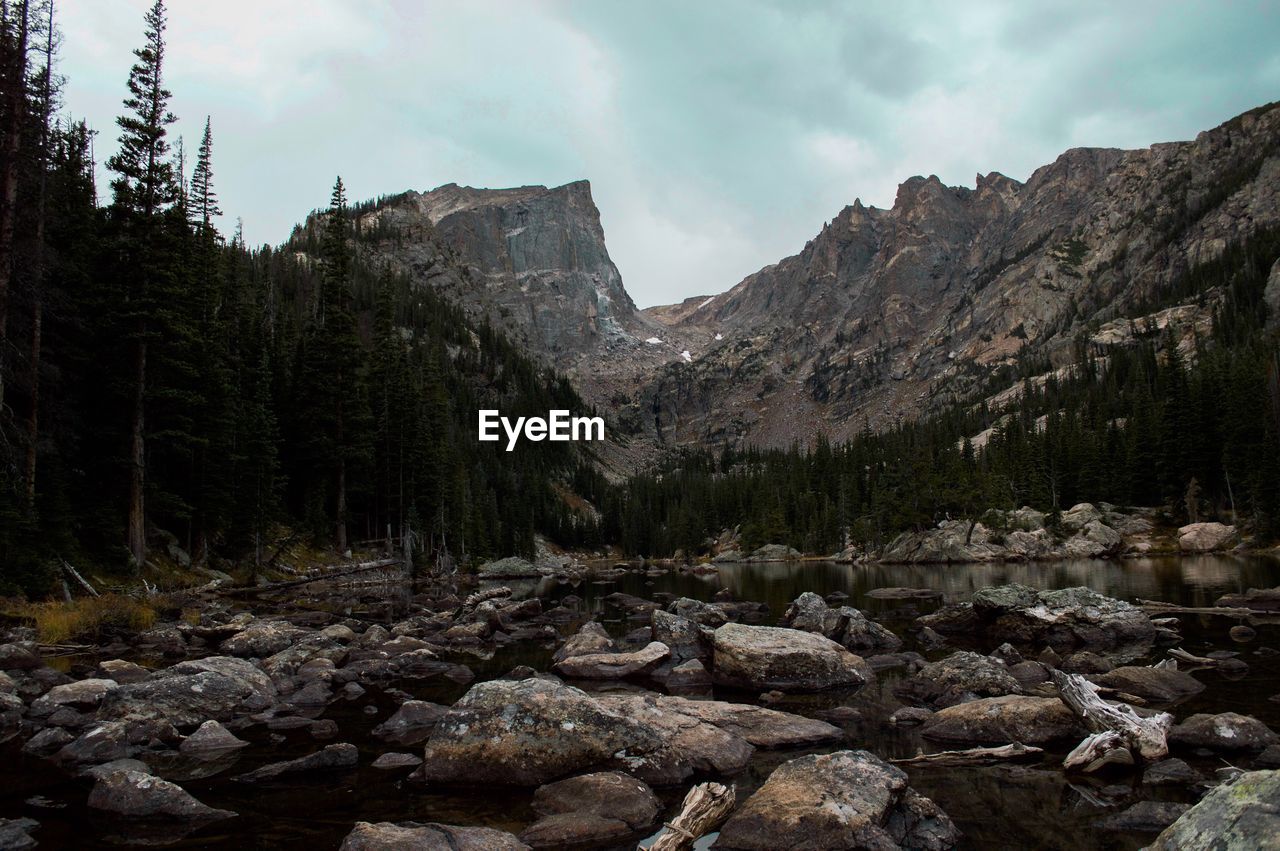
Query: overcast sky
point(718, 136)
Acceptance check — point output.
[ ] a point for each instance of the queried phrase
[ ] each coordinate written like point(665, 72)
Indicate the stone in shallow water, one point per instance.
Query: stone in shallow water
point(133, 793)
point(15, 833)
point(761, 658)
point(847, 799)
point(211, 739)
point(1160, 685)
point(389, 761)
point(611, 666)
point(591, 809)
point(1227, 731)
point(337, 756)
point(412, 836)
point(1237, 816)
point(1145, 816)
point(1001, 720)
point(411, 724)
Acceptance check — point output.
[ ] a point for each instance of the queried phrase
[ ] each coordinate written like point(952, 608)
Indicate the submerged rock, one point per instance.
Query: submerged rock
point(1237, 816)
point(412, 836)
point(1002, 720)
point(133, 793)
point(341, 755)
point(762, 658)
point(612, 666)
point(1145, 816)
point(411, 724)
point(600, 808)
point(847, 799)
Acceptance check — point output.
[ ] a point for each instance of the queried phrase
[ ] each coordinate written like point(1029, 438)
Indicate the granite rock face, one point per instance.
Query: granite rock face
point(1237, 816)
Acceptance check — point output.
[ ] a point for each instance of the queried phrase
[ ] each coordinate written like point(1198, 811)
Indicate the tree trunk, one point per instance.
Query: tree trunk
point(37, 271)
point(15, 95)
point(138, 455)
point(705, 808)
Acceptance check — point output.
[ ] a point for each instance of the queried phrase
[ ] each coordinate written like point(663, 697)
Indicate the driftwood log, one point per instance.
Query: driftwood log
point(338, 572)
point(972, 756)
point(1199, 661)
point(1155, 607)
point(1144, 737)
point(705, 808)
point(1097, 751)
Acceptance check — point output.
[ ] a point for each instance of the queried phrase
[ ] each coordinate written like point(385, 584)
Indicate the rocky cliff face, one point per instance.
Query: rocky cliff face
point(531, 260)
point(888, 313)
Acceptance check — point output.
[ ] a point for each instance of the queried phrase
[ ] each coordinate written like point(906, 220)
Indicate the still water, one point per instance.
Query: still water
point(1028, 806)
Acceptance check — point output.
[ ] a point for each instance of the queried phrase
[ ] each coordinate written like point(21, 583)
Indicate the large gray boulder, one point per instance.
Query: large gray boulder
point(184, 700)
point(762, 657)
point(843, 800)
point(1238, 816)
point(261, 639)
point(412, 836)
point(590, 638)
point(844, 625)
point(1205, 537)
point(1158, 685)
point(533, 731)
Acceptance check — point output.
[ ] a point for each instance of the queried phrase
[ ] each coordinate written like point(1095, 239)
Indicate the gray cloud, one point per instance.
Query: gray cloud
point(718, 135)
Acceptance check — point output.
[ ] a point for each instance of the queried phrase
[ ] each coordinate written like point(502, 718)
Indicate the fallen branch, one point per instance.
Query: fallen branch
point(75, 574)
point(1157, 607)
point(972, 756)
point(705, 808)
point(488, 594)
point(1200, 661)
point(1145, 736)
point(293, 583)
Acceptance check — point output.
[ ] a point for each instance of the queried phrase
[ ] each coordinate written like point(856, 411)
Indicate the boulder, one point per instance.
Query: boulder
point(392, 761)
point(22, 656)
point(774, 552)
point(595, 809)
point(959, 677)
point(1002, 720)
point(1237, 816)
point(951, 542)
point(1262, 599)
point(530, 732)
point(512, 567)
point(1079, 516)
point(264, 690)
point(1158, 685)
point(1065, 618)
point(82, 694)
point(688, 676)
point(1224, 732)
point(261, 639)
point(761, 727)
point(121, 671)
point(133, 793)
point(614, 666)
point(1205, 537)
point(844, 625)
point(185, 700)
point(761, 658)
point(686, 638)
point(411, 724)
point(1145, 816)
point(1094, 540)
point(337, 756)
point(847, 799)
point(211, 740)
point(15, 833)
point(103, 742)
point(703, 614)
point(412, 836)
point(590, 639)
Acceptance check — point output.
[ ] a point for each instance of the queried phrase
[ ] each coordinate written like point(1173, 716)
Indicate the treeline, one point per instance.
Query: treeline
point(167, 387)
point(1146, 424)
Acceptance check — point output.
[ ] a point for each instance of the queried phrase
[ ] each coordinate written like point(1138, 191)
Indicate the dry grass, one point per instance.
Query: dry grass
point(89, 618)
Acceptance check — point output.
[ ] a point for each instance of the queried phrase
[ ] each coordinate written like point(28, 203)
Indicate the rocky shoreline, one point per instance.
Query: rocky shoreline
point(696, 689)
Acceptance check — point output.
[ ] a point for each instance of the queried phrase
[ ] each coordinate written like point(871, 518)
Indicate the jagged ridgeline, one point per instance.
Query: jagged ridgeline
point(1141, 416)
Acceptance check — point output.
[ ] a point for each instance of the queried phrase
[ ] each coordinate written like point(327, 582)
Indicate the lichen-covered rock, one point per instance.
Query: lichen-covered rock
point(1224, 732)
point(1065, 618)
point(532, 731)
point(613, 666)
point(959, 677)
point(844, 625)
point(185, 700)
point(133, 793)
point(1237, 816)
point(412, 836)
point(261, 639)
point(82, 694)
point(512, 567)
point(1002, 720)
point(843, 800)
point(762, 658)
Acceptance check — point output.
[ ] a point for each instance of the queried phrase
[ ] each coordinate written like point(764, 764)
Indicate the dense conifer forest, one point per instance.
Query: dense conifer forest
point(163, 383)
